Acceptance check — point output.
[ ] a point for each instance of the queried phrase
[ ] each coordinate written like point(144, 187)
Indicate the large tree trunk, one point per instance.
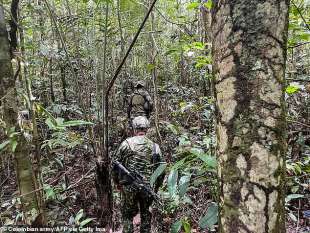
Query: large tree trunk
point(8, 96)
point(249, 54)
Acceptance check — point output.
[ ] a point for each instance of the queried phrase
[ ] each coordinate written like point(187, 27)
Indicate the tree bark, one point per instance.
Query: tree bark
point(249, 55)
point(8, 96)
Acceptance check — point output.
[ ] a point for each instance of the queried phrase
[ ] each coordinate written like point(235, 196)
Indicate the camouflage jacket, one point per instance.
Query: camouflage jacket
point(139, 155)
point(140, 104)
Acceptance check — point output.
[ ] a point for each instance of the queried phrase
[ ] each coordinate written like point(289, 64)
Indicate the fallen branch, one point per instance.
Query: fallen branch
point(299, 123)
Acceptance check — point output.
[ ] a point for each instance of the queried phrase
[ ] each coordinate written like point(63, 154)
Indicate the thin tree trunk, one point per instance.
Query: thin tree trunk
point(249, 55)
point(51, 86)
point(35, 135)
point(63, 82)
point(23, 166)
point(103, 178)
point(154, 75)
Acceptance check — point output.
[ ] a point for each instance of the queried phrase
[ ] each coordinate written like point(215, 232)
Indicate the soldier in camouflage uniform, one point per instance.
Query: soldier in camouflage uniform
point(139, 155)
point(140, 103)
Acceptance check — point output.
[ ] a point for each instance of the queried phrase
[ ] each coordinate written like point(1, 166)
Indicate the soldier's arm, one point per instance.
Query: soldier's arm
point(119, 156)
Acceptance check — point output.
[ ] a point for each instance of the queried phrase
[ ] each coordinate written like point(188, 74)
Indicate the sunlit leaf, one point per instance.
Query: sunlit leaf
point(78, 216)
point(74, 123)
point(86, 221)
point(186, 225)
point(293, 196)
point(150, 67)
point(291, 89)
point(292, 216)
point(161, 168)
point(208, 4)
point(192, 5)
point(172, 182)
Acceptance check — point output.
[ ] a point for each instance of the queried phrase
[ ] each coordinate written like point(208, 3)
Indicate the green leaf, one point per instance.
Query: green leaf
point(173, 128)
point(59, 121)
point(46, 113)
point(210, 218)
point(99, 1)
point(183, 185)
point(75, 123)
point(293, 196)
point(50, 123)
point(187, 200)
point(208, 4)
point(176, 227)
point(202, 61)
point(50, 193)
point(14, 145)
point(178, 164)
point(78, 216)
point(294, 188)
point(4, 144)
point(192, 5)
point(291, 89)
point(172, 182)
point(292, 216)
point(161, 168)
point(86, 221)
point(150, 67)
point(198, 45)
point(210, 161)
point(186, 226)
point(304, 36)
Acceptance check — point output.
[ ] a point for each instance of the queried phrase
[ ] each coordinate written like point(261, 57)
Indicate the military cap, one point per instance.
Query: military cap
point(140, 122)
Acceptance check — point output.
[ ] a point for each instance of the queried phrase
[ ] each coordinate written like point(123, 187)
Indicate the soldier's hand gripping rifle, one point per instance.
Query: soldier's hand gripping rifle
point(135, 180)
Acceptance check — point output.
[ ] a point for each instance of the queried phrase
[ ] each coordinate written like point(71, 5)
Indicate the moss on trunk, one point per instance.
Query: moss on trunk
point(8, 95)
point(249, 40)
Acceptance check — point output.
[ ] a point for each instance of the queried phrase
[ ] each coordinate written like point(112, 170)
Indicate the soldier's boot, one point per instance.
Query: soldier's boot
point(127, 224)
point(146, 219)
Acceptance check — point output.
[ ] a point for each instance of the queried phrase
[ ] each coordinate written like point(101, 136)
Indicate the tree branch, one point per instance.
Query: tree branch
point(302, 17)
point(13, 25)
point(119, 68)
point(298, 45)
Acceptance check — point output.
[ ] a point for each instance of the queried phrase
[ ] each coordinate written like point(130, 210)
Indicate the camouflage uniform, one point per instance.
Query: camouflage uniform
point(140, 103)
point(137, 155)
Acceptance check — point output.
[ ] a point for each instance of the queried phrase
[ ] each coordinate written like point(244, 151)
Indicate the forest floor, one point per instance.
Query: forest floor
point(81, 194)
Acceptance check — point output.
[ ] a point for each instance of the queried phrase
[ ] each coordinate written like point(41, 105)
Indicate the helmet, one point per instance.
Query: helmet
point(140, 84)
point(140, 122)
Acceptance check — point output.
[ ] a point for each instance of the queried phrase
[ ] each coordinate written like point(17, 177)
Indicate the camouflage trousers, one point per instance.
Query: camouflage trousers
point(132, 202)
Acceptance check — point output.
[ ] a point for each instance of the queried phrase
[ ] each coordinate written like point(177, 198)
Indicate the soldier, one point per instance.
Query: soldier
point(140, 156)
point(140, 103)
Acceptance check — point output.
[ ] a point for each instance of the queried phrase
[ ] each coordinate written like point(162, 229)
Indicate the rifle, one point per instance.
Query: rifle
point(135, 180)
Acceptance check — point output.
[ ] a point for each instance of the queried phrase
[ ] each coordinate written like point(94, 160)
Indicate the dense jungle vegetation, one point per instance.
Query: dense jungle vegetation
point(234, 133)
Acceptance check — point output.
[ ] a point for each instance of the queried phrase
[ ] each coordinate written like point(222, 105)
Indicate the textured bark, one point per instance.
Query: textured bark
point(8, 96)
point(13, 25)
point(249, 54)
